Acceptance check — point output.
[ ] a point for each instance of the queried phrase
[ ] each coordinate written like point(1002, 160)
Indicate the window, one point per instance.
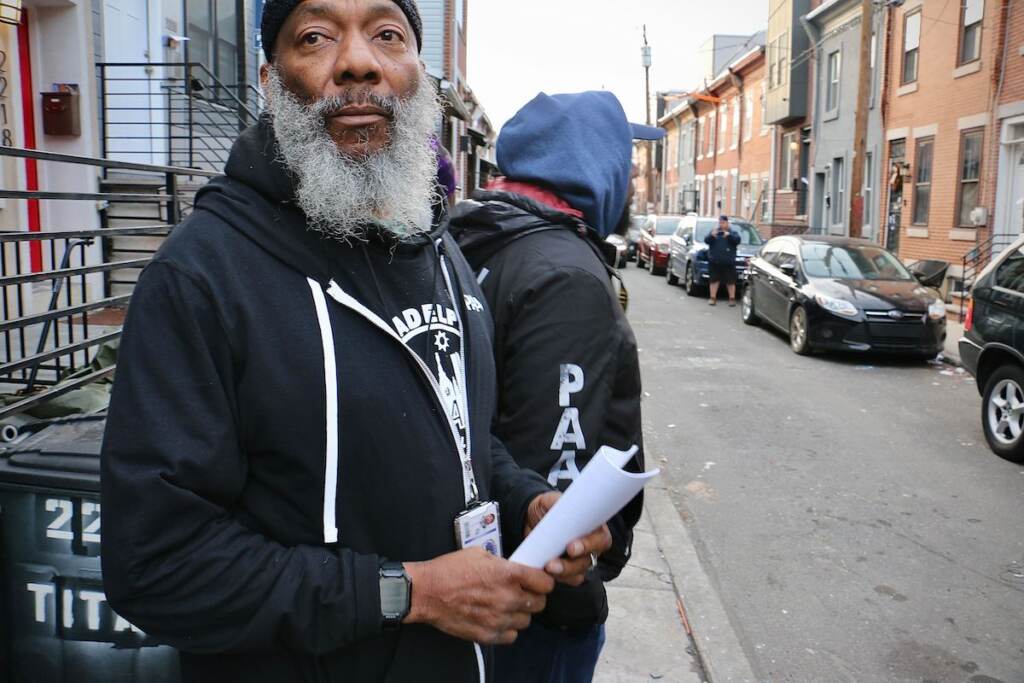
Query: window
point(838, 191)
point(723, 131)
point(213, 38)
point(748, 116)
point(911, 47)
point(459, 9)
point(745, 197)
point(923, 180)
point(970, 174)
point(773, 48)
point(712, 128)
point(1010, 274)
point(782, 52)
point(971, 14)
point(868, 191)
point(764, 198)
point(832, 86)
point(700, 138)
point(764, 108)
point(790, 171)
point(735, 122)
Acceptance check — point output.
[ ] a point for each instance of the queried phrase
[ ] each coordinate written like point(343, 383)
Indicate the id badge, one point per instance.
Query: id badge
point(480, 527)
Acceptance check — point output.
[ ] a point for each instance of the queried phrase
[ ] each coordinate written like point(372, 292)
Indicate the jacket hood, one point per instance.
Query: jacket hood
point(256, 196)
point(578, 145)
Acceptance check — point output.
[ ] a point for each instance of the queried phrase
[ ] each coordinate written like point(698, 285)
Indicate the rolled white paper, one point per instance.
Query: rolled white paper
point(601, 490)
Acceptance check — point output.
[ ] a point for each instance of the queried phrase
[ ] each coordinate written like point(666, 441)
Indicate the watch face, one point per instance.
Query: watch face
point(394, 595)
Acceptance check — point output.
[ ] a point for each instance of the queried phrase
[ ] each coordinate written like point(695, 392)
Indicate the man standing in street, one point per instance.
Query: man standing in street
point(299, 477)
point(568, 372)
point(722, 243)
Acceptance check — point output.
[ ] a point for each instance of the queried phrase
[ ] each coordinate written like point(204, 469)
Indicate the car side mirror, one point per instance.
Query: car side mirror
point(688, 239)
point(788, 269)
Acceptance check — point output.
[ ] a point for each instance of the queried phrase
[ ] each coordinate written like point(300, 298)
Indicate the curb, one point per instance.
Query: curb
point(718, 645)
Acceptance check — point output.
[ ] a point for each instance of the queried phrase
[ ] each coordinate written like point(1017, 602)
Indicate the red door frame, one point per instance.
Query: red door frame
point(29, 125)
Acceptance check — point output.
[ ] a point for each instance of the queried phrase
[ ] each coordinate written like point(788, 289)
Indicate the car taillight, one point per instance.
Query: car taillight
point(969, 318)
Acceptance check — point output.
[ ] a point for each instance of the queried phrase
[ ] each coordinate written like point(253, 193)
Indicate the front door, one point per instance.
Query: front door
point(894, 214)
point(129, 94)
point(1014, 224)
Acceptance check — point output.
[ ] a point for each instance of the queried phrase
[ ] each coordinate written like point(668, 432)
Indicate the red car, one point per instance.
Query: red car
point(653, 250)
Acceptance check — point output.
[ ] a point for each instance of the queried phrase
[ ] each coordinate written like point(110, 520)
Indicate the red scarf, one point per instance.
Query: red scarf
point(534, 192)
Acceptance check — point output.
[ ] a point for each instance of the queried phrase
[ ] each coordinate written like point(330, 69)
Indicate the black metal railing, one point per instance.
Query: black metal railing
point(55, 285)
point(975, 261)
point(173, 113)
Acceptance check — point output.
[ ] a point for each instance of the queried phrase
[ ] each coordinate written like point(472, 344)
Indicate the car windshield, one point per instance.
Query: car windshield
point(852, 262)
point(748, 233)
point(666, 226)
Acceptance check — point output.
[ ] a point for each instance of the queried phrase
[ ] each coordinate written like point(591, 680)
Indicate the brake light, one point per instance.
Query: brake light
point(969, 318)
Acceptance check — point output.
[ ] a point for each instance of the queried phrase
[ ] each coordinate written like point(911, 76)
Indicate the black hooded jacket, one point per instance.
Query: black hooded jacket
point(271, 440)
point(568, 370)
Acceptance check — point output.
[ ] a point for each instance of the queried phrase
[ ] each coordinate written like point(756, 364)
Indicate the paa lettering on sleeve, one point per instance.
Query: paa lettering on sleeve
point(569, 432)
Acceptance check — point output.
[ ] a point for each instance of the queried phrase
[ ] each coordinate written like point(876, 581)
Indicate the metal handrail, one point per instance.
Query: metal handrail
point(40, 155)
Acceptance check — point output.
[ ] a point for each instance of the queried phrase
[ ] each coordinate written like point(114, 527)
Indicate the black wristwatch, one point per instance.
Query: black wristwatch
point(395, 594)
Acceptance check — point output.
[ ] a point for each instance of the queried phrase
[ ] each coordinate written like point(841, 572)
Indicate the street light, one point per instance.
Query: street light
point(645, 59)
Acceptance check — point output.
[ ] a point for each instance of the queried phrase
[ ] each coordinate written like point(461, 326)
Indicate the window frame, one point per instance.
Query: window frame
point(962, 27)
point(928, 141)
point(964, 134)
point(833, 81)
point(736, 118)
point(838, 192)
point(868, 191)
point(904, 52)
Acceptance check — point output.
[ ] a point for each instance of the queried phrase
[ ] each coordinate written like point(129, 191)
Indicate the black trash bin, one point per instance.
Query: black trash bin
point(929, 272)
point(56, 623)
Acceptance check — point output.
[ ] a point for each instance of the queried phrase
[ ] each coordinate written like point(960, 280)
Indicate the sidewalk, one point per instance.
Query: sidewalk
point(646, 638)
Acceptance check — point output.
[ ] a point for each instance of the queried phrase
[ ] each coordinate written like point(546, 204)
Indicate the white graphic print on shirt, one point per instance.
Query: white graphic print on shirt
point(432, 331)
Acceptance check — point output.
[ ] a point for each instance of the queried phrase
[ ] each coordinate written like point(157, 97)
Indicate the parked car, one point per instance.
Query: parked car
point(620, 249)
point(992, 350)
point(842, 294)
point(652, 252)
point(636, 229)
point(688, 253)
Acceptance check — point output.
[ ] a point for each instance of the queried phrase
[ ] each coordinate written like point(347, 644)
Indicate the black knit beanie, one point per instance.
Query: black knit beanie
point(276, 11)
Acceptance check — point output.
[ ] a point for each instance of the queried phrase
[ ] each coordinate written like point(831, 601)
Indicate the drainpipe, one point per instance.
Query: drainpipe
point(813, 35)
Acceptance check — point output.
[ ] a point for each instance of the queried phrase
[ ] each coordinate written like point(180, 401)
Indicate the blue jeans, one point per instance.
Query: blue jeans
point(547, 655)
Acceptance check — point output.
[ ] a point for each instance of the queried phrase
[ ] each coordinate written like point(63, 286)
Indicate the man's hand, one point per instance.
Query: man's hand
point(579, 557)
point(475, 596)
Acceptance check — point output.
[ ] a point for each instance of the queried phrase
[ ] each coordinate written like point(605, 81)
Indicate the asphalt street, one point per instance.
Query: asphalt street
point(847, 509)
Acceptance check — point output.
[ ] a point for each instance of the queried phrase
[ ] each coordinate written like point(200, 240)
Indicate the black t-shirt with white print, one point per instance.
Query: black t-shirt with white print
point(418, 307)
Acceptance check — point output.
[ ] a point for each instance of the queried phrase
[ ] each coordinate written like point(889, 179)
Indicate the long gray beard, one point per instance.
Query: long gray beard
point(393, 188)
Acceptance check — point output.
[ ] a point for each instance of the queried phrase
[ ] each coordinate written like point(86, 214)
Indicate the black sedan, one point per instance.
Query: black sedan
point(842, 294)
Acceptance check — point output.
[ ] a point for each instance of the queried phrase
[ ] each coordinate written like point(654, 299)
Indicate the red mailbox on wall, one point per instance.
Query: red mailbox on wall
point(61, 113)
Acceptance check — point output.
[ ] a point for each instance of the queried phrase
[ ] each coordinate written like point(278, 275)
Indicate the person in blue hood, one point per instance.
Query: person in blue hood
point(568, 371)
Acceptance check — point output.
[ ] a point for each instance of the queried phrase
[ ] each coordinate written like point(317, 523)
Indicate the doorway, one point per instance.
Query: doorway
point(127, 90)
point(894, 212)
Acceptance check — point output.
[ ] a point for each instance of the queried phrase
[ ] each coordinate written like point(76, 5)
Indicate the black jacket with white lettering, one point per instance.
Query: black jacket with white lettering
point(252, 481)
point(558, 325)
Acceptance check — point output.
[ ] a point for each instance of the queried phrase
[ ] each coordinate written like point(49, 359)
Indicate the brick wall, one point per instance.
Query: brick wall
point(946, 100)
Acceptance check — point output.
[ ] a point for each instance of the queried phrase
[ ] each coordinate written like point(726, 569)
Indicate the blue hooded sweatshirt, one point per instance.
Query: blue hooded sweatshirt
point(579, 146)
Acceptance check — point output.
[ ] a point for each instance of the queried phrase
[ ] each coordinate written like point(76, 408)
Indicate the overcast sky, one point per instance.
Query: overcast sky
point(519, 48)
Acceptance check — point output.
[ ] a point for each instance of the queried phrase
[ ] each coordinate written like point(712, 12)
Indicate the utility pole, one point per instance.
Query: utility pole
point(860, 134)
point(645, 53)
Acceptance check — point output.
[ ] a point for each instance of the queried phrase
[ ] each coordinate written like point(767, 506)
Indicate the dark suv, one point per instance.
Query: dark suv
point(992, 350)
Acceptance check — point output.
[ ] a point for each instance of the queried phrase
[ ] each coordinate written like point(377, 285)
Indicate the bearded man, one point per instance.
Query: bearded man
point(299, 479)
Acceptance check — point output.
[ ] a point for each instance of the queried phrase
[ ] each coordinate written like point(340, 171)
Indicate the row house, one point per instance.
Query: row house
point(835, 28)
point(732, 142)
point(788, 112)
point(945, 70)
point(718, 146)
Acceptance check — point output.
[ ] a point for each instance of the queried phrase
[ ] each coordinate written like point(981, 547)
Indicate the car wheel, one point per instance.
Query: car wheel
point(799, 337)
point(747, 310)
point(670, 276)
point(651, 264)
point(1002, 412)
point(688, 283)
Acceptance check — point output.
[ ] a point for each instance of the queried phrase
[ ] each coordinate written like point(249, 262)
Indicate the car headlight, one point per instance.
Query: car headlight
point(663, 248)
point(837, 306)
point(937, 310)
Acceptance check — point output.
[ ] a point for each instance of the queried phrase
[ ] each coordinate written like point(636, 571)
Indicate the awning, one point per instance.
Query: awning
point(453, 104)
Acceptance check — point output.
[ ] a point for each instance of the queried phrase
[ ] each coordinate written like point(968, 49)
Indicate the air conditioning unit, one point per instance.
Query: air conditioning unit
point(979, 216)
